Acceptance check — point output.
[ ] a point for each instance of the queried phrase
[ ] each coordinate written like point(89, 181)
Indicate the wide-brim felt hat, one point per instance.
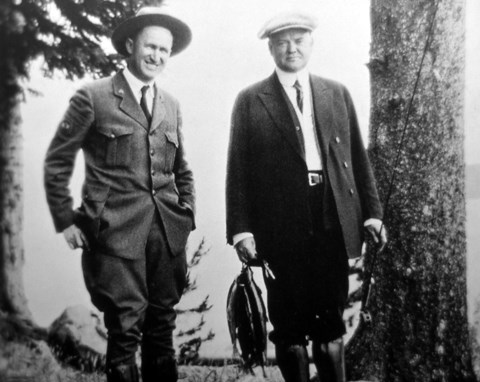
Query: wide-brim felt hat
point(147, 16)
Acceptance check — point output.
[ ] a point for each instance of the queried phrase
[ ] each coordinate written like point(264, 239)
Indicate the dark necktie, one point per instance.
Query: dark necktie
point(144, 105)
point(299, 90)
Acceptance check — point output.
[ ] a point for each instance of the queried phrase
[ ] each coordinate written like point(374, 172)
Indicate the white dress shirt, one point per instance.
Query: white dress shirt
point(136, 86)
point(307, 123)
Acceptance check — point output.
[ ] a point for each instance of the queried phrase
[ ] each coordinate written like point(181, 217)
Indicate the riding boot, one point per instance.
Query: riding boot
point(162, 369)
point(329, 359)
point(293, 362)
point(122, 373)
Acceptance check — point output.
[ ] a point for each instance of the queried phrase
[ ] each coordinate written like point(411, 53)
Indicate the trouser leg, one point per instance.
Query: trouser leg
point(166, 279)
point(117, 288)
point(329, 358)
point(293, 362)
point(158, 356)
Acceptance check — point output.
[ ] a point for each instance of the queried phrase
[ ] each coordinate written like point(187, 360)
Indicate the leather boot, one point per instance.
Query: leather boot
point(329, 359)
point(293, 362)
point(162, 369)
point(122, 373)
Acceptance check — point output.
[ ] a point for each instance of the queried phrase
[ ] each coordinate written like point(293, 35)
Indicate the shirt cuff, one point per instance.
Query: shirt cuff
point(372, 221)
point(240, 236)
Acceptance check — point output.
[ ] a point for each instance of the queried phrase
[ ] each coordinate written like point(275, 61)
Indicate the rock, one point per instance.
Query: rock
point(79, 338)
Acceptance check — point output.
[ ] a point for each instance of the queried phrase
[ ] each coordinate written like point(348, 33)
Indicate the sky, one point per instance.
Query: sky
point(225, 56)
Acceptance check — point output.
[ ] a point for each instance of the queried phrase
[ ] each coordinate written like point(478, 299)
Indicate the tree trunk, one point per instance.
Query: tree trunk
point(419, 330)
point(12, 295)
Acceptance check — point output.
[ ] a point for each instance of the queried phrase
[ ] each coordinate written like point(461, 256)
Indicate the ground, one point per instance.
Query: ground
point(25, 356)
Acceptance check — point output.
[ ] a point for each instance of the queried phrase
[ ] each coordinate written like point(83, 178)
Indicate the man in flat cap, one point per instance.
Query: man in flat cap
point(138, 196)
point(300, 192)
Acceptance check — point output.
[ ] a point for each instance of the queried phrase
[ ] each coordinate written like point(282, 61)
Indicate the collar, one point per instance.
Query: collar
point(287, 79)
point(135, 84)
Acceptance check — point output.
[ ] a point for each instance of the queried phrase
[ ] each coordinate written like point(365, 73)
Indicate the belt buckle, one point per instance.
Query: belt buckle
point(314, 179)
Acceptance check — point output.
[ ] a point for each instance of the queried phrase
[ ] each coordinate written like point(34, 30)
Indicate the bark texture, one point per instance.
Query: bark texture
point(420, 329)
point(12, 296)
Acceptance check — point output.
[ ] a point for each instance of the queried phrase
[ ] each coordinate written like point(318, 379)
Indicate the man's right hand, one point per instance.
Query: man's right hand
point(75, 238)
point(246, 250)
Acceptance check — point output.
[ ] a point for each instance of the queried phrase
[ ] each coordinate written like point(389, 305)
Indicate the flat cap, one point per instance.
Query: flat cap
point(288, 20)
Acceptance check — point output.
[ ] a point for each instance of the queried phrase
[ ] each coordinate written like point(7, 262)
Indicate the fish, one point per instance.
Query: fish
point(247, 320)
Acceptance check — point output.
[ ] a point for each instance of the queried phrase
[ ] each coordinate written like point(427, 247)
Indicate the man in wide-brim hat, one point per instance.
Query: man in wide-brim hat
point(138, 196)
point(152, 16)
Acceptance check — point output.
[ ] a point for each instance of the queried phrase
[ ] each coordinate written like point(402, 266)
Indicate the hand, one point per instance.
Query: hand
point(378, 232)
point(246, 250)
point(75, 238)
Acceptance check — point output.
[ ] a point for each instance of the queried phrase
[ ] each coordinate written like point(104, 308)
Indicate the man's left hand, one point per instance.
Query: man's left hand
point(378, 232)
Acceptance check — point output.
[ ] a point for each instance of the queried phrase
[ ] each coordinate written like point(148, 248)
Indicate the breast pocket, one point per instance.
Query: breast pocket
point(170, 149)
point(114, 148)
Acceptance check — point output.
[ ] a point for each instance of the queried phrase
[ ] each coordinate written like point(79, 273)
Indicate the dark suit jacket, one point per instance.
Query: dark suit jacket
point(131, 169)
point(267, 185)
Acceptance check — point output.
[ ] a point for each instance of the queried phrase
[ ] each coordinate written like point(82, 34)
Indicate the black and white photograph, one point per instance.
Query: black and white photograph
point(252, 191)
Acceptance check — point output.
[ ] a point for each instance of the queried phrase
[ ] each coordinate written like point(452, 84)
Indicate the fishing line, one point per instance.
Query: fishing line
point(368, 276)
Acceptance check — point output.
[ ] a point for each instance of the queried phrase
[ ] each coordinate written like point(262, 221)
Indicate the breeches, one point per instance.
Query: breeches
point(307, 298)
point(137, 297)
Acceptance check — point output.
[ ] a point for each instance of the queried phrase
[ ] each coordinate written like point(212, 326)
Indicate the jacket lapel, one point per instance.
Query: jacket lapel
point(159, 111)
point(278, 109)
point(323, 110)
point(128, 103)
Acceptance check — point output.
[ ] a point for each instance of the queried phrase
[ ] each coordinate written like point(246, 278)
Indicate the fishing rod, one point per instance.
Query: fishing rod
point(364, 314)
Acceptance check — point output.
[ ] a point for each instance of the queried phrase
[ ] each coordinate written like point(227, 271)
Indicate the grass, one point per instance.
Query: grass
point(26, 357)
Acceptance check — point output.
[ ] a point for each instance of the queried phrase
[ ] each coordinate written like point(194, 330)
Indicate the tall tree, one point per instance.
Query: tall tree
point(68, 34)
point(419, 328)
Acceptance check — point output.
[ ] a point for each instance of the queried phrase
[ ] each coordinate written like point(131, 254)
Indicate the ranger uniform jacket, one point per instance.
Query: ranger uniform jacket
point(131, 169)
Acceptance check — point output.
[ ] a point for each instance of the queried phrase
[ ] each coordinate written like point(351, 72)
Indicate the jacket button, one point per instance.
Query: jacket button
point(297, 128)
point(351, 191)
point(345, 164)
point(112, 136)
point(337, 139)
point(152, 172)
point(154, 192)
point(65, 125)
point(152, 151)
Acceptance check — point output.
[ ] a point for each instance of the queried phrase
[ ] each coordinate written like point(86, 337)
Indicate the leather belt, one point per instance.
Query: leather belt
point(315, 178)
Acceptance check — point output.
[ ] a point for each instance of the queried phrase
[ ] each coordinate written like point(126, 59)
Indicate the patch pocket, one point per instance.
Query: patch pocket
point(115, 147)
point(170, 149)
